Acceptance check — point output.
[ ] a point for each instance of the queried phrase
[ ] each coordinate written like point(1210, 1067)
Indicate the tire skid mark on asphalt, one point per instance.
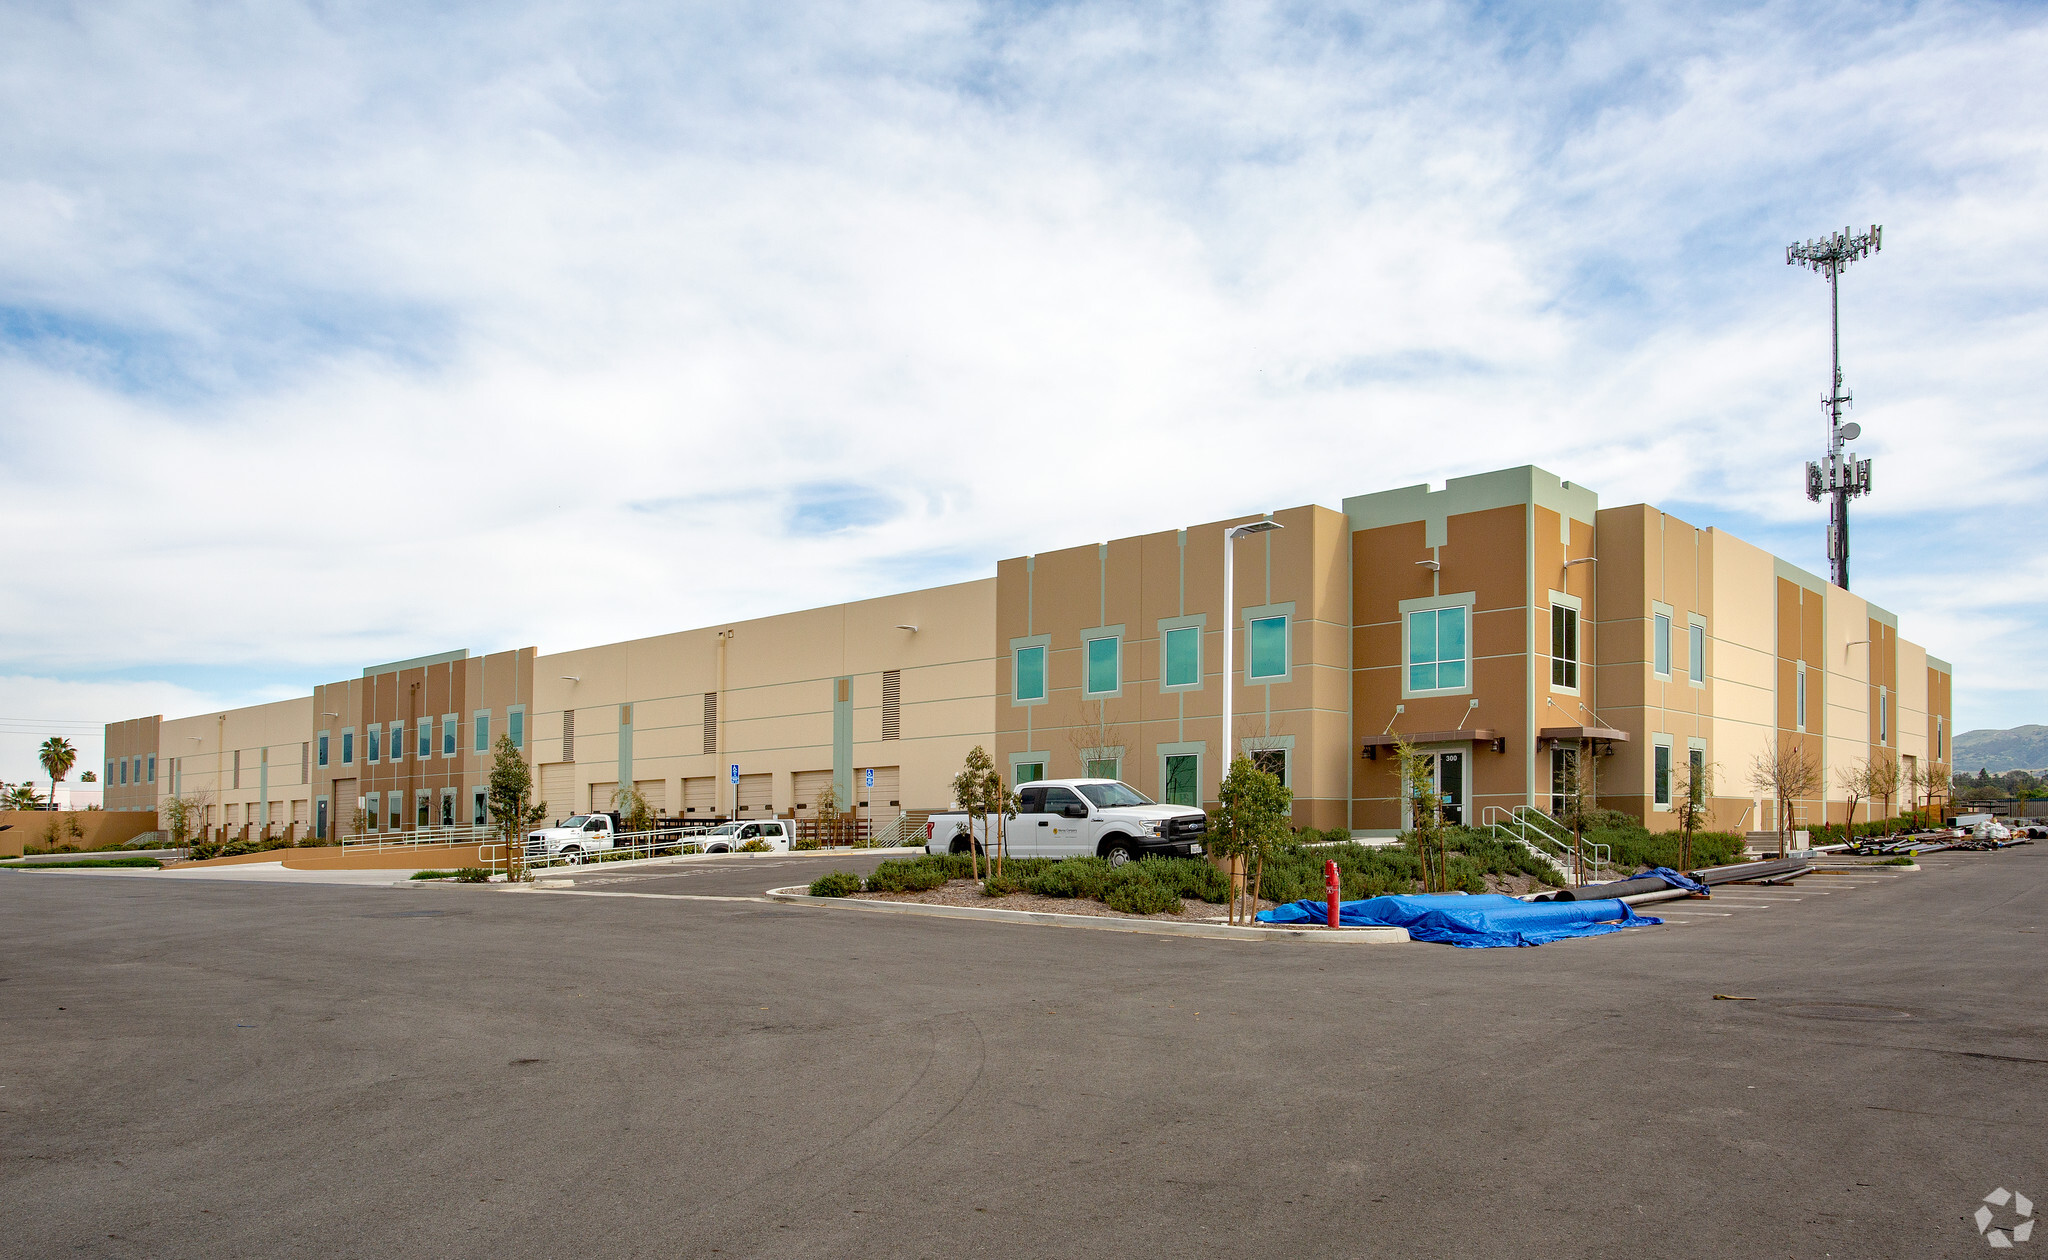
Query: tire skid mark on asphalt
point(954, 1061)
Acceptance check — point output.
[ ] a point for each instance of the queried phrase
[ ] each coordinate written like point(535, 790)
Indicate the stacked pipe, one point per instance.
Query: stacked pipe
point(1641, 885)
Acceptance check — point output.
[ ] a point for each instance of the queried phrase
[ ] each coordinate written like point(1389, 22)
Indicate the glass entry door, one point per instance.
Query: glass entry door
point(1448, 774)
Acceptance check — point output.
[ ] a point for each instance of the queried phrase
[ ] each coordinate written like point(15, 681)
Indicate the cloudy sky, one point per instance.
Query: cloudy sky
point(335, 333)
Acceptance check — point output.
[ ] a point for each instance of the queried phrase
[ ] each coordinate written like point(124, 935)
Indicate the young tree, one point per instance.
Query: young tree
point(1581, 800)
point(829, 810)
point(1692, 805)
point(1854, 780)
point(1253, 818)
point(1786, 773)
point(57, 756)
point(974, 792)
point(1883, 782)
point(1425, 813)
point(634, 814)
point(1939, 788)
point(1091, 738)
point(509, 800)
point(180, 816)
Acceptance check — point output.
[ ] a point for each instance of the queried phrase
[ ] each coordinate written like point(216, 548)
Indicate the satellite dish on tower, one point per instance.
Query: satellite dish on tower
point(1851, 431)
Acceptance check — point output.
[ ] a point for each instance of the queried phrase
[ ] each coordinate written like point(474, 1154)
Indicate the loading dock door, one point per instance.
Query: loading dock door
point(655, 792)
point(558, 788)
point(757, 795)
point(885, 795)
point(700, 797)
point(810, 785)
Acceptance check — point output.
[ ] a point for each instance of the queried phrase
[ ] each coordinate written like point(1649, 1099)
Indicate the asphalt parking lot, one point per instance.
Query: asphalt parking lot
point(259, 1069)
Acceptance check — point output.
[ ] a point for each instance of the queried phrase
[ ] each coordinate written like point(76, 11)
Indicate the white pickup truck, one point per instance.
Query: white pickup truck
point(1059, 818)
point(573, 838)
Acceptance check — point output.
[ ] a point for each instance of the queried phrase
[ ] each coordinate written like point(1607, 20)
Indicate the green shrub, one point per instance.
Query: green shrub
point(1901, 860)
point(1142, 896)
point(472, 875)
point(835, 884)
point(1003, 885)
point(1635, 847)
point(803, 843)
point(901, 876)
point(1083, 877)
point(433, 874)
point(1187, 877)
point(201, 852)
point(756, 845)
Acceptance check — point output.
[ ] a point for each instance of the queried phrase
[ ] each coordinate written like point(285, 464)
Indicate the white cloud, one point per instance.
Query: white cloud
point(333, 338)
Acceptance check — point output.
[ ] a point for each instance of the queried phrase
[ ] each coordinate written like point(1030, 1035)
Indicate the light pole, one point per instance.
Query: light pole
point(1230, 535)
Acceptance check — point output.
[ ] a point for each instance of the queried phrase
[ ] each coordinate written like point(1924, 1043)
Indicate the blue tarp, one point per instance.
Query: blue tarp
point(1675, 879)
point(1470, 922)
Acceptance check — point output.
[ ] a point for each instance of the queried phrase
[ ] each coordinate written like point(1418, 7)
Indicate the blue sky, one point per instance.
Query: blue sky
point(339, 333)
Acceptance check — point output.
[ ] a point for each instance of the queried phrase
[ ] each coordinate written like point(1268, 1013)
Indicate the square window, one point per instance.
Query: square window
point(1103, 660)
point(1661, 646)
point(1696, 652)
point(1030, 673)
point(1182, 647)
point(1101, 768)
point(1274, 760)
point(1437, 658)
point(1183, 780)
point(1029, 771)
point(1564, 646)
point(1268, 648)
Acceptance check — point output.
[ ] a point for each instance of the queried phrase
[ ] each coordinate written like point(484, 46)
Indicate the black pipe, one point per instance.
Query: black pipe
point(1750, 870)
point(1606, 892)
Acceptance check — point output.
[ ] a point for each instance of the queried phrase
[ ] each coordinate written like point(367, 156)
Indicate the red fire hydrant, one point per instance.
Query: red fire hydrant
point(1330, 882)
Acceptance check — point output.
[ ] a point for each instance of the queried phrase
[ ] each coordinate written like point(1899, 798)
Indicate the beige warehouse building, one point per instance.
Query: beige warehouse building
point(1504, 623)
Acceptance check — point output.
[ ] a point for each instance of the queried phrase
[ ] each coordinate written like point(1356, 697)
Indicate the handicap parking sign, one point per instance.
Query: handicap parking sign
point(871, 777)
point(735, 774)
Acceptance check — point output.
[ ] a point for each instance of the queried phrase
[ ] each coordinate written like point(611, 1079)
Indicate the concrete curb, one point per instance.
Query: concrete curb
point(1102, 923)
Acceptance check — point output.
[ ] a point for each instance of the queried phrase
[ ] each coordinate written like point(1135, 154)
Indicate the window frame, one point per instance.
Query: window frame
point(1660, 641)
point(1660, 775)
point(1436, 603)
point(1696, 650)
point(373, 808)
point(1560, 602)
point(1195, 626)
point(1166, 753)
point(515, 725)
point(480, 728)
point(1884, 717)
point(373, 744)
point(480, 807)
point(1249, 744)
point(348, 745)
point(394, 742)
point(425, 748)
point(1799, 699)
point(321, 754)
point(1089, 638)
point(1284, 613)
point(1042, 645)
point(451, 734)
point(1020, 759)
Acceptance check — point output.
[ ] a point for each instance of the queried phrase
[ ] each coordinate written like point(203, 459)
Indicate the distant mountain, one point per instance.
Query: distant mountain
point(2021, 748)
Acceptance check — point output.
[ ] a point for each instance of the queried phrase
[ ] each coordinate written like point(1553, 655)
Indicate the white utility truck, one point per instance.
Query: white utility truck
point(733, 836)
point(1058, 818)
point(574, 837)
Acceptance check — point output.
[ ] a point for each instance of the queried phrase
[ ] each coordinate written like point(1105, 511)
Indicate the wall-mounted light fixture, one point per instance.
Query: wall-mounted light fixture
point(1582, 560)
point(912, 629)
point(1432, 565)
point(570, 678)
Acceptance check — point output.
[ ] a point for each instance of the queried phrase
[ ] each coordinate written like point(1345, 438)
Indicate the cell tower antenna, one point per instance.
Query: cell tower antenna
point(1840, 475)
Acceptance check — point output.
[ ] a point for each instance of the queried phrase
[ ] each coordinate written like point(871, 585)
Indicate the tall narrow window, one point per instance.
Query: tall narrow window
point(1799, 713)
point(1104, 657)
point(892, 704)
point(397, 804)
point(1661, 646)
point(1437, 650)
point(1030, 673)
point(1696, 652)
point(1696, 775)
point(398, 741)
point(515, 726)
point(348, 748)
point(124, 772)
point(238, 764)
point(1183, 783)
point(483, 731)
point(1940, 738)
point(1663, 776)
point(152, 768)
point(373, 745)
point(1884, 716)
point(426, 738)
point(1267, 648)
point(373, 806)
point(478, 811)
point(448, 735)
point(424, 801)
point(1564, 646)
point(1183, 650)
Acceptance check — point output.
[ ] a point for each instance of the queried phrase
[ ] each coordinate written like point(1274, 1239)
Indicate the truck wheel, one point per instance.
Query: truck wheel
point(573, 857)
point(959, 844)
point(1119, 851)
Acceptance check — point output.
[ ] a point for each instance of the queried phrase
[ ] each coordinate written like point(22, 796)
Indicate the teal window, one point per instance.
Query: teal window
point(426, 738)
point(397, 811)
point(1183, 651)
point(152, 768)
point(124, 771)
point(1268, 648)
point(1437, 655)
point(398, 741)
point(373, 803)
point(483, 732)
point(1183, 784)
point(1103, 660)
point(1101, 768)
point(323, 753)
point(1663, 772)
point(1030, 673)
point(373, 746)
point(1696, 651)
point(515, 726)
point(421, 799)
point(1029, 772)
point(348, 748)
point(1661, 647)
point(477, 812)
point(448, 736)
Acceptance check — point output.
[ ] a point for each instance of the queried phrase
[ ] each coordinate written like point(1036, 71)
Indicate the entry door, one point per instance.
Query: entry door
point(1448, 774)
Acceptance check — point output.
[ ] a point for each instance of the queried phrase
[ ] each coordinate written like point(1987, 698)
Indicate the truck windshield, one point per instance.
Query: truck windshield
point(576, 820)
point(1112, 795)
point(729, 829)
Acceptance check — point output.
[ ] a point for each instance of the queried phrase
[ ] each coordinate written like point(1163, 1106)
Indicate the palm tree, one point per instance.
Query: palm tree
point(57, 756)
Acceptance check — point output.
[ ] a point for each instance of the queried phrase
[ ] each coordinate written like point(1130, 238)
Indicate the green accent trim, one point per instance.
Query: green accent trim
point(393, 667)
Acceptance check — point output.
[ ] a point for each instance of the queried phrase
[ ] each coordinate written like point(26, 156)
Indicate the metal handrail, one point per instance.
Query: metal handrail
point(1598, 855)
point(379, 841)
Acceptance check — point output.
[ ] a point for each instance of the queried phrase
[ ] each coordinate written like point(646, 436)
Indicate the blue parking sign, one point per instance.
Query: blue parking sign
point(735, 774)
point(871, 777)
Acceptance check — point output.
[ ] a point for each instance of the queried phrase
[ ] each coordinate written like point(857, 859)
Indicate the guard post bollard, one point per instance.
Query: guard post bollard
point(1330, 883)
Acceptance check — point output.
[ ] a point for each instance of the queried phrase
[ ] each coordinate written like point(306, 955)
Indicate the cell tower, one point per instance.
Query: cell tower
point(1840, 475)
